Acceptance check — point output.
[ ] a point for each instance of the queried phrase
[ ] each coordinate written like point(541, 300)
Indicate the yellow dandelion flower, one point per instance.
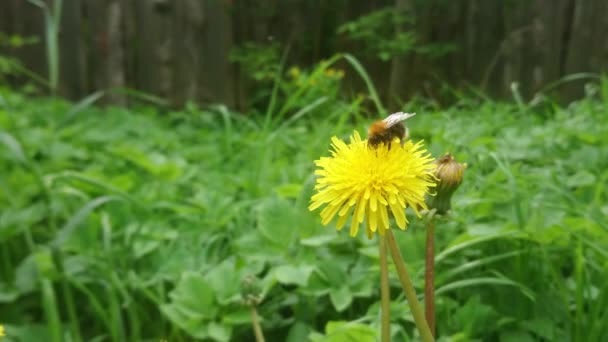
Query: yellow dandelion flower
point(294, 72)
point(330, 72)
point(2, 332)
point(368, 183)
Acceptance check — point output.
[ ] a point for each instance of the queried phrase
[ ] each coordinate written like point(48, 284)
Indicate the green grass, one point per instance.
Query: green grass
point(139, 224)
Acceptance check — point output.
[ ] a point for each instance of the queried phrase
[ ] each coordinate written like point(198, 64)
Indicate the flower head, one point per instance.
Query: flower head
point(367, 183)
point(251, 291)
point(449, 174)
point(2, 333)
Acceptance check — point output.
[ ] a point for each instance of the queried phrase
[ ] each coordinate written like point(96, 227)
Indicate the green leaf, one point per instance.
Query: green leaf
point(12, 222)
point(195, 293)
point(276, 222)
point(347, 331)
point(7, 294)
point(45, 264)
point(193, 305)
point(219, 332)
point(27, 332)
point(516, 336)
point(27, 275)
point(362, 284)
point(289, 274)
point(340, 298)
point(299, 331)
point(155, 163)
point(291, 190)
point(318, 240)
point(542, 327)
point(333, 272)
point(225, 281)
point(580, 179)
point(239, 317)
point(473, 317)
point(316, 286)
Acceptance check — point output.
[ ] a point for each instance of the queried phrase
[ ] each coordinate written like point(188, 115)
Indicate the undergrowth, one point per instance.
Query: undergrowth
point(139, 224)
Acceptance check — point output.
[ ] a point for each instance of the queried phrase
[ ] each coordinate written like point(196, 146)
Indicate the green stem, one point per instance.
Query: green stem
point(71, 308)
point(259, 335)
point(429, 276)
point(68, 295)
point(408, 289)
point(579, 265)
point(385, 294)
point(49, 304)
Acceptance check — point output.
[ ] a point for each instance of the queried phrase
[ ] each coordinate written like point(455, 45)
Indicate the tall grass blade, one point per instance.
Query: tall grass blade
point(66, 231)
point(52, 20)
point(275, 89)
point(368, 82)
point(517, 97)
point(73, 175)
point(472, 242)
point(13, 146)
point(467, 266)
point(82, 105)
point(570, 78)
point(51, 310)
point(299, 114)
point(485, 281)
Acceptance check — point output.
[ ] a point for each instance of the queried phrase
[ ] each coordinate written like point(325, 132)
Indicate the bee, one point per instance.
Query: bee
point(384, 131)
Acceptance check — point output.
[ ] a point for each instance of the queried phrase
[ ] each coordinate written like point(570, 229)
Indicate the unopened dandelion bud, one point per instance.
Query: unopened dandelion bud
point(449, 174)
point(251, 291)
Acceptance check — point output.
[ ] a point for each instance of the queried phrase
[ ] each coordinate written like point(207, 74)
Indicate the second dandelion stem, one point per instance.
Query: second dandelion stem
point(259, 335)
point(429, 276)
point(408, 289)
point(385, 294)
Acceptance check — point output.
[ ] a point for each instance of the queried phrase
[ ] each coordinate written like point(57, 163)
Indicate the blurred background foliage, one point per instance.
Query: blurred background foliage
point(137, 220)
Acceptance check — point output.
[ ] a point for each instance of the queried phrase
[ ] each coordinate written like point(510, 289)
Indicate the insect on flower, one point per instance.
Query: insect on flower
point(384, 131)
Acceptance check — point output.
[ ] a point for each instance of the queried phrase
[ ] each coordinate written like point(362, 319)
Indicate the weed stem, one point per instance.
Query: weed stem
point(408, 289)
point(385, 294)
point(429, 276)
point(257, 329)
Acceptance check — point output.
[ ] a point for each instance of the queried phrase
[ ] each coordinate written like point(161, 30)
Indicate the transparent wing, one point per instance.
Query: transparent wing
point(395, 118)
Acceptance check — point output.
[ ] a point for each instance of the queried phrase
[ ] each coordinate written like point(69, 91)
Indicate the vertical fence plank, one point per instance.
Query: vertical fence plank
point(152, 46)
point(27, 20)
point(97, 44)
point(116, 57)
point(217, 71)
point(587, 47)
point(187, 33)
point(72, 55)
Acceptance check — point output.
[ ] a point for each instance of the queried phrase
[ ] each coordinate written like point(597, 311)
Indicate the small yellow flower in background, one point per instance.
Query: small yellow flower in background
point(366, 183)
point(334, 73)
point(2, 332)
point(294, 72)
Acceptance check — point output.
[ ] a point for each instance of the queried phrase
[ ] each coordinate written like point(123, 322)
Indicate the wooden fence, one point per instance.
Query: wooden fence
point(179, 49)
